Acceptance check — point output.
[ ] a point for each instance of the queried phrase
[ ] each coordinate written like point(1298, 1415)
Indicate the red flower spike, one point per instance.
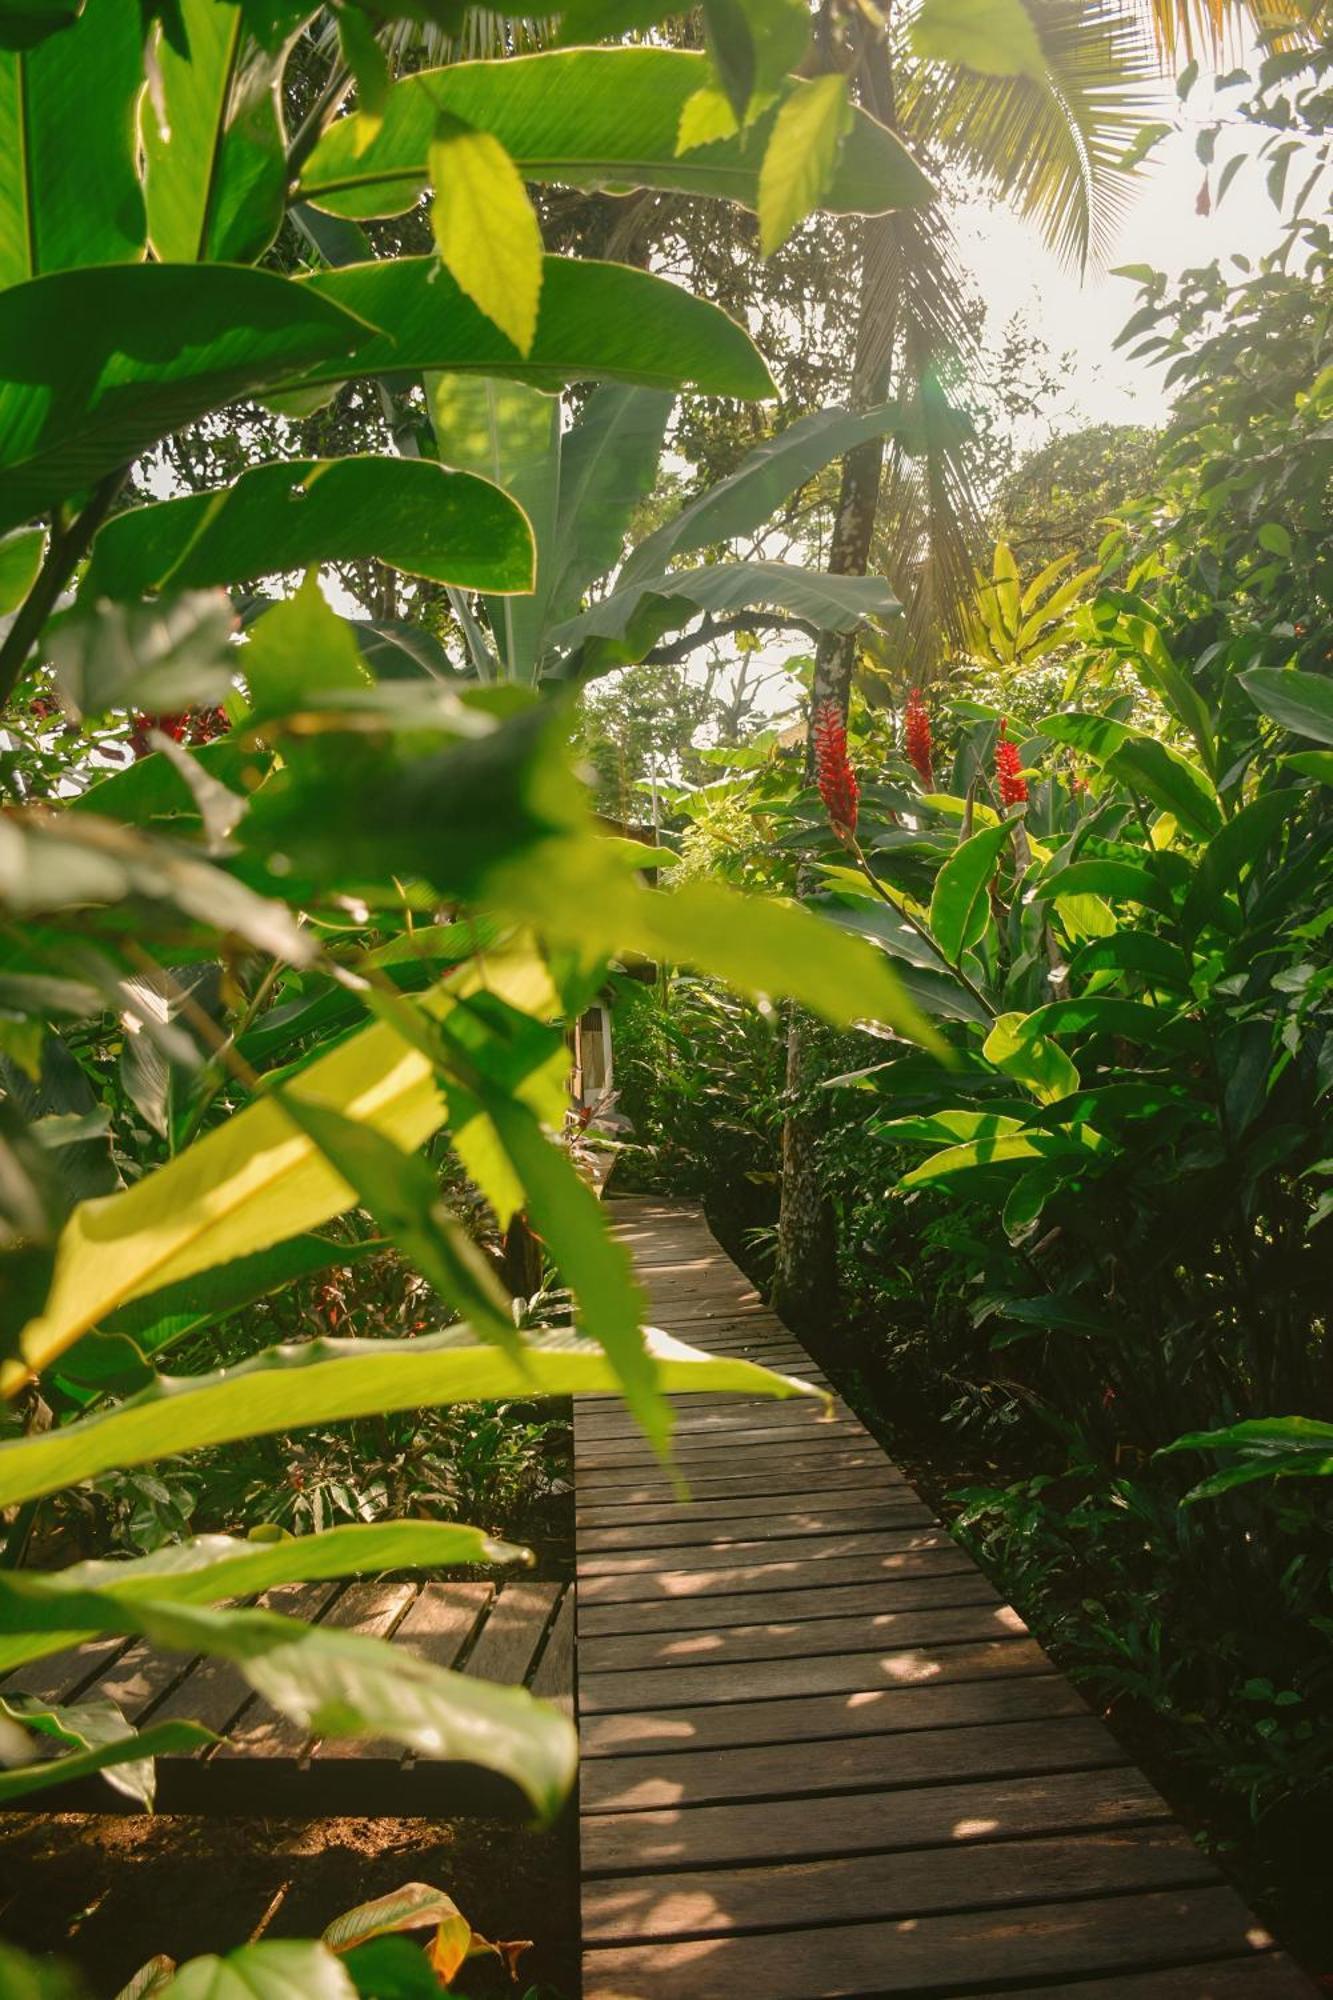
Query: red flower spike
point(916, 739)
point(833, 772)
point(1009, 769)
point(201, 725)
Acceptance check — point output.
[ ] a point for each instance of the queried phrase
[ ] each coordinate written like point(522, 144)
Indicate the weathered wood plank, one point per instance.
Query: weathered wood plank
point(683, 1615)
point(703, 1902)
point(745, 1501)
point(1257, 1976)
point(808, 1464)
point(510, 1637)
point(868, 1822)
point(554, 1679)
point(810, 1567)
point(804, 1770)
point(935, 1955)
point(827, 1547)
point(809, 1674)
point(800, 1638)
point(668, 1731)
point(813, 1519)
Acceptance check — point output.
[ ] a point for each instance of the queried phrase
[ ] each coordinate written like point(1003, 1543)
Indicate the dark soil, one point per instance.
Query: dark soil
point(107, 1893)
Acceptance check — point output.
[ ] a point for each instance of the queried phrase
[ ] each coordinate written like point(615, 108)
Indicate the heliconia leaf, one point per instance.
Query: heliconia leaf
point(587, 118)
point(1032, 1060)
point(1301, 702)
point(627, 623)
point(1170, 781)
point(215, 167)
point(85, 382)
point(801, 160)
point(254, 1181)
point(209, 1568)
point(325, 1381)
point(765, 477)
point(608, 461)
point(959, 908)
point(485, 228)
point(1117, 881)
point(596, 322)
point(70, 194)
point(1004, 1150)
point(1267, 1448)
point(415, 1906)
point(412, 514)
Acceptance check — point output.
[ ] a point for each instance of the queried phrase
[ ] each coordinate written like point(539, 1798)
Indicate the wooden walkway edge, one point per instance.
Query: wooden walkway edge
point(819, 1756)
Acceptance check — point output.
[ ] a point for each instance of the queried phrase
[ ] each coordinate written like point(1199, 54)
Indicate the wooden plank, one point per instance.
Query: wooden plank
point(930, 1955)
point(740, 1415)
point(853, 1673)
point(808, 1568)
point(510, 1637)
point(216, 1692)
point(804, 1770)
point(804, 1425)
point(554, 1677)
point(826, 1547)
point(808, 1464)
point(816, 1519)
point(868, 1822)
point(138, 1678)
point(369, 1607)
point(799, 1638)
point(745, 1503)
point(702, 1902)
point(666, 1732)
point(441, 1619)
point(706, 1613)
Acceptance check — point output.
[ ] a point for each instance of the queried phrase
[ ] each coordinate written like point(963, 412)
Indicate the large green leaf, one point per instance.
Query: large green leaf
point(1301, 702)
point(254, 1181)
point(326, 1381)
point(596, 322)
point(412, 514)
point(1171, 781)
point(1265, 1447)
point(626, 625)
point(273, 1969)
point(510, 432)
point(765, 477)
point(485, 227)
point(97, 365)
point(1117, 881)
point(586, 118)
point(402, 1191)
point(608, 462)
point(69, 190)
point(1006, 1149)
point(801, 162)
point(209, 1568)
point(583, 895)
point(959, 909)
point(215, 166)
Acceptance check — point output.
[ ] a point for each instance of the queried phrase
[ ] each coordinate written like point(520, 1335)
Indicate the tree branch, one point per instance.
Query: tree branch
point(63, 552)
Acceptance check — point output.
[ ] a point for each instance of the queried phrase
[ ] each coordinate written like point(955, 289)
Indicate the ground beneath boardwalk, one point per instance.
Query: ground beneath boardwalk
point(107, 1892)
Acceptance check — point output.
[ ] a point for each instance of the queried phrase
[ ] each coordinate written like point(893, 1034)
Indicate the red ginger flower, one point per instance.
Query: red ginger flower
point(836, 778)
point(1009, 769)
point(194, 726)
point(916, 739)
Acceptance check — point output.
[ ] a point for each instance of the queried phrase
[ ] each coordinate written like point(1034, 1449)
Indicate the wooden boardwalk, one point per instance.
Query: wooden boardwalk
point(819, 1756)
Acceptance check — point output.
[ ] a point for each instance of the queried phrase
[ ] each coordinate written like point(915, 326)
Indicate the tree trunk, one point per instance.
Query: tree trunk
point(805, 1277)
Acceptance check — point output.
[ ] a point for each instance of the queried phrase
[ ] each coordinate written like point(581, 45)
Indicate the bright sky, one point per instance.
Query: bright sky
point(1016, 273)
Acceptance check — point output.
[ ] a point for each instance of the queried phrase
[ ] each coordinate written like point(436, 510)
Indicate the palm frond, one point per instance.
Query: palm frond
point(1050, 146)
